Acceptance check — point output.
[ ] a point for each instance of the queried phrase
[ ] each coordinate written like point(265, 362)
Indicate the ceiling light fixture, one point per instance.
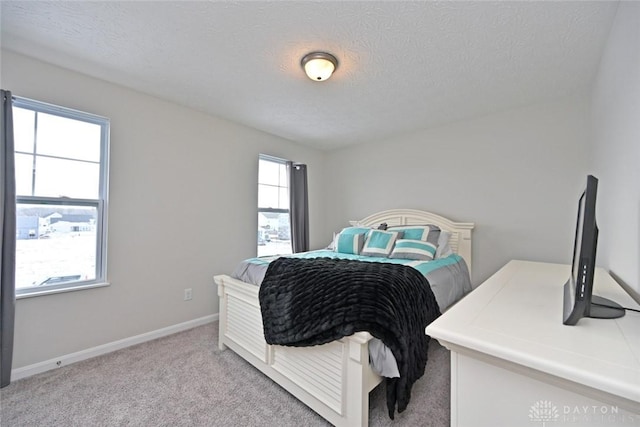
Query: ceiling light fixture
point(319, 66)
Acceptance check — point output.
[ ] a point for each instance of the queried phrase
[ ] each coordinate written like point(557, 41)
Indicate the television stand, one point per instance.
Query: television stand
point(604, 308)
point(513, 362)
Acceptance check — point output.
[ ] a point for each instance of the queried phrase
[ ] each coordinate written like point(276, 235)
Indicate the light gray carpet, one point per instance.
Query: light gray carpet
point(184, 380)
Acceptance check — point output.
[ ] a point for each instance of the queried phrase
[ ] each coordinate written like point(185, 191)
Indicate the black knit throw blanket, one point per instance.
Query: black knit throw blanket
point(306, 302)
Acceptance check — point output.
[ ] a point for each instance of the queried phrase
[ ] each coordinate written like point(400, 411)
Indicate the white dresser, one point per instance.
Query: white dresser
point(513, 362)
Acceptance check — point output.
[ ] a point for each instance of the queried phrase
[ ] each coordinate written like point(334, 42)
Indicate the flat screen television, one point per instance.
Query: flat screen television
point(579, 301)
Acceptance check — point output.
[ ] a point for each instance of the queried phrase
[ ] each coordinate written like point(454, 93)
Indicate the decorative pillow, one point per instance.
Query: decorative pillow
point(350, 240)
point(413, 249)
point(355, 230)
point(434, 234)
point(428, 233)
point(379, 243)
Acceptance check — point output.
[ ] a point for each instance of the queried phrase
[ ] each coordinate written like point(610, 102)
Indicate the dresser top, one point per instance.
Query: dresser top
point(516, 316)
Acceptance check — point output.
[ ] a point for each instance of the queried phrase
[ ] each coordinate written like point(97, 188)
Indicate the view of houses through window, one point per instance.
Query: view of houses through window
point(274, 232)
point(55, 244)
point(61, 176)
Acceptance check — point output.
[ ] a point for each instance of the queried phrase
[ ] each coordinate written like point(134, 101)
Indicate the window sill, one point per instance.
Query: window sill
point(61, 290)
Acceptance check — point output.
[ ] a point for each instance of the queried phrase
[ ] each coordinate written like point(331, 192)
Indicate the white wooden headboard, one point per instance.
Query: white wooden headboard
point(460, 240)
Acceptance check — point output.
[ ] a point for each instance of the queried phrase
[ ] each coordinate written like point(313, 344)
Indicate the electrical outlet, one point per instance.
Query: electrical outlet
point(188, 294)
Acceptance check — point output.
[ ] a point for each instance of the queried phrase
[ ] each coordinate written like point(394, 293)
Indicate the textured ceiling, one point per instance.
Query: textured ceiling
point(404, 66)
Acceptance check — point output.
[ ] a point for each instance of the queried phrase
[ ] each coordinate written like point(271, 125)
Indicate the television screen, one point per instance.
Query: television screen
point(578, 279)
point(578, 299)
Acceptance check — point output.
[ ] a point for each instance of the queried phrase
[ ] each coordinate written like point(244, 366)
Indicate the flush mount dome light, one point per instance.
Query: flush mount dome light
point(319, 66)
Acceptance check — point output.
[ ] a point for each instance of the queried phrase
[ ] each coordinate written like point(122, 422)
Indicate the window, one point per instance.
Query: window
point(61, 186)
point(274, 230)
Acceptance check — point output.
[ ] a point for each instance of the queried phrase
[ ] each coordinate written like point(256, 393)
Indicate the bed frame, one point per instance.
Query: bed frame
point(333, 379)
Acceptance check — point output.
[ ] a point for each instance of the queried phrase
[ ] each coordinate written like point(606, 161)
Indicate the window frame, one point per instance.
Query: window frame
point(279, 161)
point(100, 204)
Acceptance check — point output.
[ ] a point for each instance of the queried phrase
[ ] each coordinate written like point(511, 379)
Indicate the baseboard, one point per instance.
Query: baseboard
point(67, 359)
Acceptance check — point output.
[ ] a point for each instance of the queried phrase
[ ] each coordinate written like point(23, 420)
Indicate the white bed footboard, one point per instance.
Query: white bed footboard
point(333, 379)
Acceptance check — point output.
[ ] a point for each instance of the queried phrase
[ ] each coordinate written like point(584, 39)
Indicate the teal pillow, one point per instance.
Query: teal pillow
point(355, 230)
point(350, 240)
point(428, 232)
point(413, 249)
point(379, 243)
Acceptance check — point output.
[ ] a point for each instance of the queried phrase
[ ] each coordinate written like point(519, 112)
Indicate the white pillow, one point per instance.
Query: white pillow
point(332, 245)
point(443, 250)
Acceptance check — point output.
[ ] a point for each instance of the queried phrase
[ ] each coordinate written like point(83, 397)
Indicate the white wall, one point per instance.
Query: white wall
point(616, 147)
point(183, 193)
point(516, 174)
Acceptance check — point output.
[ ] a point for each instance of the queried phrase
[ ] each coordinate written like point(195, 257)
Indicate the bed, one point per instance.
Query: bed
point(333, 379)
